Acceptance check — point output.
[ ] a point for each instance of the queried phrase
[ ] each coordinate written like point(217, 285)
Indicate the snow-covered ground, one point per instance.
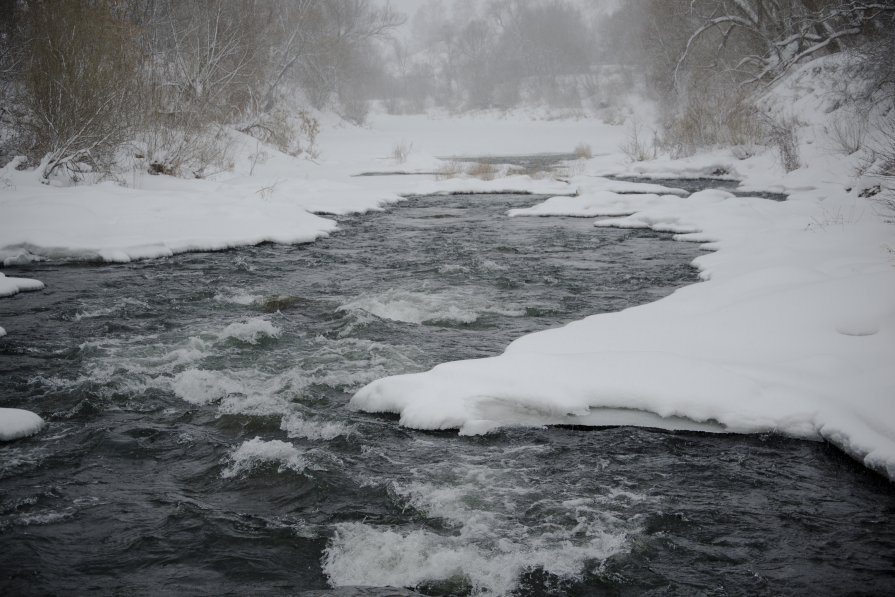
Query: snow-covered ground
point(274, 197)
point(792, 331)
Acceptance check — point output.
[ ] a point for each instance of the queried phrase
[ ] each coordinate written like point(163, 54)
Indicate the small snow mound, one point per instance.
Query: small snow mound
point(257, 452)
point(251, 331)
point(16, 423)
point(858, 329)
point(10, 286)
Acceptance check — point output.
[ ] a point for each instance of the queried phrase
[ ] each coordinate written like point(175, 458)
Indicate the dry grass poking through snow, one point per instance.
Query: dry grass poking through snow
point(583, 151)
point(455, 169)
point(483, 170)
point(401, 152)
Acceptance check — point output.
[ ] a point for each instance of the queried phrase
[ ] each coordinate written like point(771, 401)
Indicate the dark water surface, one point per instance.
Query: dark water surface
point(198, 440)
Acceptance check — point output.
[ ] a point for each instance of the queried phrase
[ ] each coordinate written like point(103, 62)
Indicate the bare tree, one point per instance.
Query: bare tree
point(782, 34)
point(81, 71)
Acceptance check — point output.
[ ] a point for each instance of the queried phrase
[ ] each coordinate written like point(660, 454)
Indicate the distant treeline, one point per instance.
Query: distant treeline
point(81, 79)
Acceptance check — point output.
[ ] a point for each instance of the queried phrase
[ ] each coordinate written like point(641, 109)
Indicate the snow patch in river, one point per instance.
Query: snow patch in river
point(257, 452)
point(10, 286)
point(16, 423)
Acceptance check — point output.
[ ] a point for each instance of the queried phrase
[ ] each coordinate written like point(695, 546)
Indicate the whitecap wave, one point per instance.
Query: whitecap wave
point(419, 307)
point(238, 298)
point(496, 520)
point(198, 386)
point(297, 426)
point(257, 452)
point(250, 331)
point(361, 554)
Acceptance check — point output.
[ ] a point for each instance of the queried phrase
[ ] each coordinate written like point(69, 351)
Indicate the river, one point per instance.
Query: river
point(199, 441)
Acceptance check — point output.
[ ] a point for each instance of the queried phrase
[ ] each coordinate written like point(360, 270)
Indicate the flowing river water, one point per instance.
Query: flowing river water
point(199, 441)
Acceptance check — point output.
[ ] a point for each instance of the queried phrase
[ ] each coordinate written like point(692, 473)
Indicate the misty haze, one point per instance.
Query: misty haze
point(447, 297)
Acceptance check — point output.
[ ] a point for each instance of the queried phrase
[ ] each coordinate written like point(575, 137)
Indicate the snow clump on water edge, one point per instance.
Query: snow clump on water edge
point(16, 423)
point(10, 286)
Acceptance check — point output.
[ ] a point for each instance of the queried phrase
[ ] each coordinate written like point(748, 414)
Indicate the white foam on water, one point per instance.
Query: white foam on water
point(257, 452)
point(488, 265)
point(497, 519)
point(90, 311)
point(259, 393)
point(257, 405)
point(47, 517)
point(251, 331)
point(237, 297)
point(351, 362)
point(112, 367)
point(364, 555)
point(453, 268)
point(419, 307)
point(198, 386)
point(93, 313)
point(297, 426)
point(16, 460)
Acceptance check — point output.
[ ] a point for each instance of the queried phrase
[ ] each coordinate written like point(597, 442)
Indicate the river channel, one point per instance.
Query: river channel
point(199, 441)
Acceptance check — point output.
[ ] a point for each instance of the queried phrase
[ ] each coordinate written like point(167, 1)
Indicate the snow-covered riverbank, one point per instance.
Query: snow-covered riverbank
point(793, 330)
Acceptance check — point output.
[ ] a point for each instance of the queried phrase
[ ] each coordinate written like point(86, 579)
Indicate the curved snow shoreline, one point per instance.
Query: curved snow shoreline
point(792, 332)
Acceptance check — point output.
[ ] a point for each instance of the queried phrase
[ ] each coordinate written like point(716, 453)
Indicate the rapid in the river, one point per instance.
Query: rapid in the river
point(199, 440)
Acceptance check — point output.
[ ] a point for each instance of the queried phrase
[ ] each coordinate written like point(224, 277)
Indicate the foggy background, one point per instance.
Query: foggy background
point(78, 79)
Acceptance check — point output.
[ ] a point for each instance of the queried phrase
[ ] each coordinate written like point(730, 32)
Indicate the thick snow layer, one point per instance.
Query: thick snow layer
point(10, 286)
point(112, 223)
point(273, 197)
point(16, 423)
point(793, 331)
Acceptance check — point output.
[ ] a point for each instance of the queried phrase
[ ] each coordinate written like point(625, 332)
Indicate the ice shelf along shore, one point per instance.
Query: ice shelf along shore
point(792, 331)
